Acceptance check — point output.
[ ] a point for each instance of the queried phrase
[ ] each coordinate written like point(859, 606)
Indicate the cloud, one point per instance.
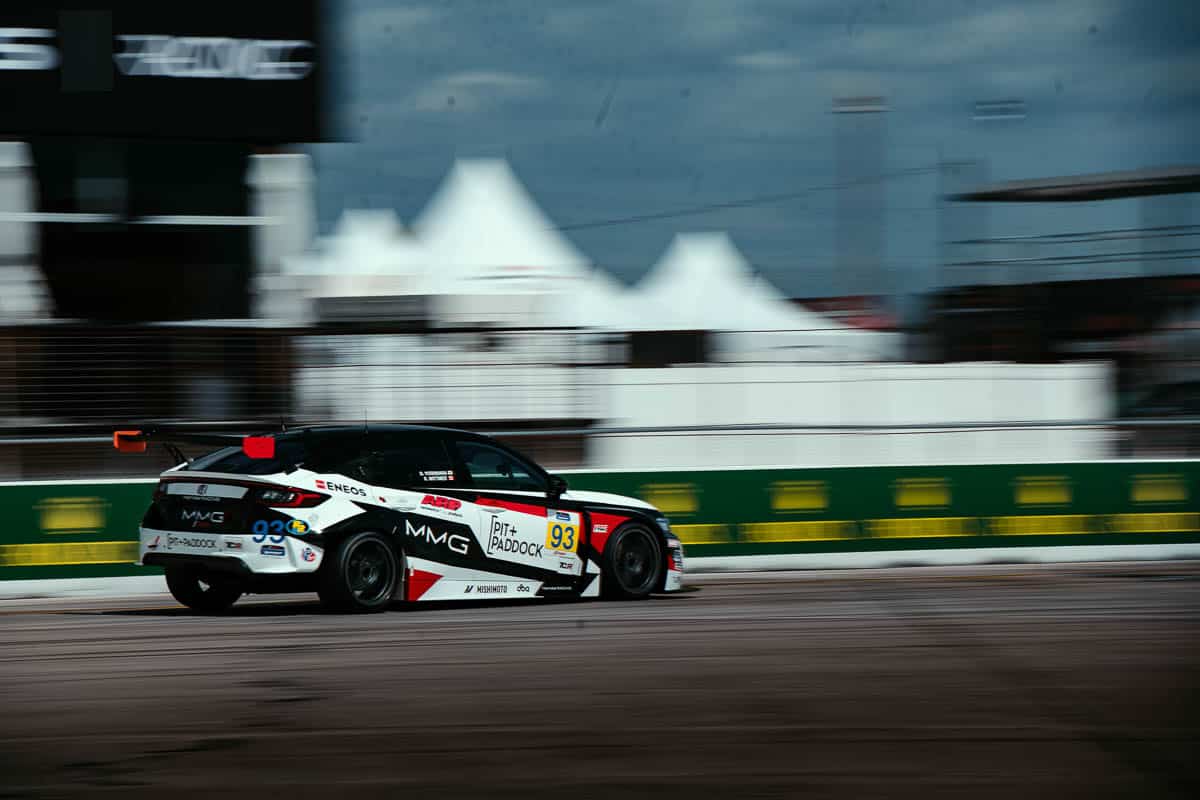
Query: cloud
point(719, 100)
point(369, 26)
point(474, 91)
point(768, 59)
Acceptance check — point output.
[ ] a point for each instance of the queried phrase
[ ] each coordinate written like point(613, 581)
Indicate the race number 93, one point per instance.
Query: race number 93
point(562, 536)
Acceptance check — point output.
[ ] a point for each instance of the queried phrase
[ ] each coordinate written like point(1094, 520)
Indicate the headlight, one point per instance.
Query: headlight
point(664, 524)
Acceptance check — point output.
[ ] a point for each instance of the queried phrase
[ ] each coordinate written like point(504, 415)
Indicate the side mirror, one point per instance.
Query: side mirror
point(558, 487)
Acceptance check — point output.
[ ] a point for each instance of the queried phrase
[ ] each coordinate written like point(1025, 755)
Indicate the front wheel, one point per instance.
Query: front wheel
point(201, 592)
point(361, 576)
point(633, 563)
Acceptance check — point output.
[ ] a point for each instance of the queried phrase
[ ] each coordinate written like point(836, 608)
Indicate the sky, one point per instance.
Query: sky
point(632, 120)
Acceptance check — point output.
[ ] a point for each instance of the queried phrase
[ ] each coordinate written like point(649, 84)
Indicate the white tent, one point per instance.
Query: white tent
point(367, 254)
point(494, 254)
point(702, 282)
point(484, 233)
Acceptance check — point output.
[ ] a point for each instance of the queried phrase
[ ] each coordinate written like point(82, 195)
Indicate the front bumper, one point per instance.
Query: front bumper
point(673, 581)
point(232, 552)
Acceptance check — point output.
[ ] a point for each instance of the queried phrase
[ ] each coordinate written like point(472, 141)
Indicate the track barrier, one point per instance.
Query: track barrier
point(77, 529)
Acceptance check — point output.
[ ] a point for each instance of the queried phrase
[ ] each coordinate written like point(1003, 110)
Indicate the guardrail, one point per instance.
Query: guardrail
point(88, 528)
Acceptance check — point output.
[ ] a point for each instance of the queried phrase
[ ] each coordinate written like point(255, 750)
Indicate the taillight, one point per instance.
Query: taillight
point(290, 498)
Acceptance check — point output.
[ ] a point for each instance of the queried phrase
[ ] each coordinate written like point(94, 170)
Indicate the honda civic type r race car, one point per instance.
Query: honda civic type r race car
point(367, 514)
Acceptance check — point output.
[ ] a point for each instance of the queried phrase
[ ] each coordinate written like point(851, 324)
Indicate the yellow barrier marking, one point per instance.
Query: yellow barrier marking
point(799, 531)
point(703, 534)
point(1179, 522)
point(60, 554)
point(799, 496)
point(1039, 525)
point(1158, 489)
point(1043, 490)
point(921, 527)
point(922, 493)
point(59, 515)
point(671, 498)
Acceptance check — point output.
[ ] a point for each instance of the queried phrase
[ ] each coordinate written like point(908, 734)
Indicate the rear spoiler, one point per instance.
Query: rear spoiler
point(136, 441)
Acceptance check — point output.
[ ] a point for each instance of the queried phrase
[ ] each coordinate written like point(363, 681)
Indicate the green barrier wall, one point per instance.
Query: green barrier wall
point(71, 530)
point(747, 512)
point(84, 530)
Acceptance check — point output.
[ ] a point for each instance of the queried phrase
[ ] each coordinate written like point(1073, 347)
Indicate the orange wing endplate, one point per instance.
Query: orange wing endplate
point(126, 442)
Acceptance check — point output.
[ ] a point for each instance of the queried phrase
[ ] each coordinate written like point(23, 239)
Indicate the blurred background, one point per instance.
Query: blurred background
point(629, 234)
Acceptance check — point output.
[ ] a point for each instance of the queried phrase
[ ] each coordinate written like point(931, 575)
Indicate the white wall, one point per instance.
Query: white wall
point(23, 293)
point(852, 394)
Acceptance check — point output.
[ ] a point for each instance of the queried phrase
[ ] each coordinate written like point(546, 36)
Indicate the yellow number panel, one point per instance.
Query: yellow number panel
point(562, 531)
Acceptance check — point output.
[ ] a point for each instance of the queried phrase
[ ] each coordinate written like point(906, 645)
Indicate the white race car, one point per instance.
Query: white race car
point(365, 515)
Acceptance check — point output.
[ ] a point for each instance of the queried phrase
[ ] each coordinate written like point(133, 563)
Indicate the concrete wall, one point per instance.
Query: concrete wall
point(853, 394)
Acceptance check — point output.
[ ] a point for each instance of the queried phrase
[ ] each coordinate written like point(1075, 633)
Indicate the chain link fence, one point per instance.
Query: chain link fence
point(570, 398)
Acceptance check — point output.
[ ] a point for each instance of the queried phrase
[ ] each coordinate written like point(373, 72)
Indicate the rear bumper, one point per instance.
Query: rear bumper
point(233, 553)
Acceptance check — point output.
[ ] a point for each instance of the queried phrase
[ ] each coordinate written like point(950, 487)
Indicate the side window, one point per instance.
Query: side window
point(493, 468)
point(408, 462)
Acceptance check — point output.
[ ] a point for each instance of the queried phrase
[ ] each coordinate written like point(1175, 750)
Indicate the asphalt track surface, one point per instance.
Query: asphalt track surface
point(1070, 681)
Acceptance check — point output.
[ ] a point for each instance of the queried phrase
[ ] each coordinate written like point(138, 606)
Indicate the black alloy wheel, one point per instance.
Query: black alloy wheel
point(201, 592)
point(633, 563)
point(362, 575)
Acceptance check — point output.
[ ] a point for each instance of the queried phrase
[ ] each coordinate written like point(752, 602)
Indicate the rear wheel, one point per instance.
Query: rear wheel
point(362, 575)
point(201, 592)
point(633, 563)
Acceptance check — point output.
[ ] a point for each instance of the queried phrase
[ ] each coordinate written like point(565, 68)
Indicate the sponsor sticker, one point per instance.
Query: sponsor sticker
point(202, 519)
point(233, 544)
point(308, 555)
point(600, 528)
point(446, 503)
point(503, 538)
point(455, 541)
point(344, 488)
point(273, 550)
point(153, 545)
point(438, 475)
point(195, 542)
point(298, 527)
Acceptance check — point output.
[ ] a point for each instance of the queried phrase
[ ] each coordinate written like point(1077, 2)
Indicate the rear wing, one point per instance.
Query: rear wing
point(137, 441)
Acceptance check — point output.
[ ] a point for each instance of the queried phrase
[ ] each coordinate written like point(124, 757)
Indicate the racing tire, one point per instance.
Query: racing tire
point(362, 575)
point(633, 564)
point(199, 592)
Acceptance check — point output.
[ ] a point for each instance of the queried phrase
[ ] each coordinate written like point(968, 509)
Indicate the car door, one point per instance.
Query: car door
point(516, 523)
point(415, 478)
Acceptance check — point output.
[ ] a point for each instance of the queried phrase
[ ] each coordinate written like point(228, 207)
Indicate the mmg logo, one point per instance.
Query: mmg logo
point(456, 542)
point(199, 517)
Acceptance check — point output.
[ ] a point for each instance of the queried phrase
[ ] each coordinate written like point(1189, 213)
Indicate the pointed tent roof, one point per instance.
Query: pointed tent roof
point(596, 300)
point(702, 282)
point(365, 242)
point(484, 234)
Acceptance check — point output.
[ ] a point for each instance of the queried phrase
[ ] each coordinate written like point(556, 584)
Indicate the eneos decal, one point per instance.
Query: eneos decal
point(344, 488)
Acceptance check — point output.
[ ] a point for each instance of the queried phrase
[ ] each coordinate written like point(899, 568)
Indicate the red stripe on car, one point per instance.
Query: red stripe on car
point(524, 508)
point(419, 582)
point(612, 521)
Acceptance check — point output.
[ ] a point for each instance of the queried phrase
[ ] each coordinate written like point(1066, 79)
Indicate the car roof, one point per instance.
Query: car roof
point(336, 429)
